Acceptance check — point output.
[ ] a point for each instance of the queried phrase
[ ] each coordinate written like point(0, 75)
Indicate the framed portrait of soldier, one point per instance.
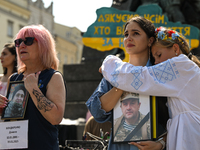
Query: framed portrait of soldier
point(132, 118)
point(17, 96)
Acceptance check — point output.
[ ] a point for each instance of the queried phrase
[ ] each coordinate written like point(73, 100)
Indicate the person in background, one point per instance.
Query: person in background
point(176, 75)
point(9, 63)
point(138, 38)
point(101, 130)
point(37, 65)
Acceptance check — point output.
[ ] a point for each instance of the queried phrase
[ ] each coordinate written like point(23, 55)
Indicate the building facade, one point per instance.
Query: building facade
point(16, 14)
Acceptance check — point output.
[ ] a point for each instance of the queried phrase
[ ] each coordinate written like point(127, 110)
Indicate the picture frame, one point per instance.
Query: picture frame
point(17, 96)
point(132, 118)
point(155, 110)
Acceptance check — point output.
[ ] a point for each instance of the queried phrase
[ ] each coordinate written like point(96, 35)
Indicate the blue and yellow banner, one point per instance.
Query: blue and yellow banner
point(106, 32)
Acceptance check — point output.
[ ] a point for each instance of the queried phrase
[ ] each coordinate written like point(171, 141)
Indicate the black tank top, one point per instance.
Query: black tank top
point(42, 135)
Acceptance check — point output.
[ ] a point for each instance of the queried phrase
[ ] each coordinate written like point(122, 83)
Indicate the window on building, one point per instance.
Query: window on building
point(10, 29)
point(68, 34)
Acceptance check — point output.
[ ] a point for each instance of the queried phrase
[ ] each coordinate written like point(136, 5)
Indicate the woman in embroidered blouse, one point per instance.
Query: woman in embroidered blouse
point(176, 72)
point(9, 63)
point(138, 37)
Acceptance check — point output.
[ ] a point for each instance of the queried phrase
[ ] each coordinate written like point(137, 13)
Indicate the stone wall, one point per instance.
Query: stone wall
point(81, 81)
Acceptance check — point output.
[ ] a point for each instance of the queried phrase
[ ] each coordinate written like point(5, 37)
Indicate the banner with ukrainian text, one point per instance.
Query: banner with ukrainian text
point(106, 32)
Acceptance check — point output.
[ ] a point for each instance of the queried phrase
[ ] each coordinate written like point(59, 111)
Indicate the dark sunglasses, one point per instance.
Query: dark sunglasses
point(28, 41)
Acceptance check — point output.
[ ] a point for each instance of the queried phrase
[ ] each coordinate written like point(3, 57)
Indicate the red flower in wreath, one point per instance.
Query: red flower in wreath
point(170, 32)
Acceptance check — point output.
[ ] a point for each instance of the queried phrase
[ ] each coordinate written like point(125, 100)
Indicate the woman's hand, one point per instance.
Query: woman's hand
point(3, 101)
point(147, 145)
point(100, 70)
point(31, 81)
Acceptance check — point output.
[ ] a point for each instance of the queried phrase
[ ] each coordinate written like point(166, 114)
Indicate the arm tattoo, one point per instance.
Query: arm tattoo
point(43, 102)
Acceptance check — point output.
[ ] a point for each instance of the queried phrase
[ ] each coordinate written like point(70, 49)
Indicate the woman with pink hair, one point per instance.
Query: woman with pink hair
point(37, 65)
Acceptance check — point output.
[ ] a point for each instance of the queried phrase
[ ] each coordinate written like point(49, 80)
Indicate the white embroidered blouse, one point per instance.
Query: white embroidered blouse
point(178, 79)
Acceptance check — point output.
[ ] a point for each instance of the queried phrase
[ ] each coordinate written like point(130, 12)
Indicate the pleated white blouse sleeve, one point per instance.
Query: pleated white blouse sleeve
point(165, 79)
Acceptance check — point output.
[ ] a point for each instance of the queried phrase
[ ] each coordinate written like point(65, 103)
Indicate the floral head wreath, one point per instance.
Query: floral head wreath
point(164, 34)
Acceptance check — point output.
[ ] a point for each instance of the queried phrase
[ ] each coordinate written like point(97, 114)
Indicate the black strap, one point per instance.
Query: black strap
point(138, 127)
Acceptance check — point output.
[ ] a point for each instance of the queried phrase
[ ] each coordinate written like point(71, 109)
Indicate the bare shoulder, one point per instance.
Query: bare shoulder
point(57, 79)
point(57, 76)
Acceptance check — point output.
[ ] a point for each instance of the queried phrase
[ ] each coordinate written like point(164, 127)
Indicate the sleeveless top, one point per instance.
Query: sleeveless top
point(42, 135)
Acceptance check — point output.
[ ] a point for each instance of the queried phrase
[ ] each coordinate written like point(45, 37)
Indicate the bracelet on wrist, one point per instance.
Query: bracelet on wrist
point(161, 141)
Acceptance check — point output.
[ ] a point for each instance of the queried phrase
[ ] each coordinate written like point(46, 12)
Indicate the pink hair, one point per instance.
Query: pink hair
point(46, 45)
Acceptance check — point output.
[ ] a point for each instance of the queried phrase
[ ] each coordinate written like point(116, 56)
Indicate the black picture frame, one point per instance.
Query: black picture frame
point(17, 96)
point(143, 128)
point(157, 110)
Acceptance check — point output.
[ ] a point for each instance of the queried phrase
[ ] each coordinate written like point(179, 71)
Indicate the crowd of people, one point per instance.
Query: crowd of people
point(160, 64)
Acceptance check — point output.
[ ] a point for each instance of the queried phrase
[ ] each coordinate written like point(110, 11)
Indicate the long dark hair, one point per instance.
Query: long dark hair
point(11, 48)
point(145, 24)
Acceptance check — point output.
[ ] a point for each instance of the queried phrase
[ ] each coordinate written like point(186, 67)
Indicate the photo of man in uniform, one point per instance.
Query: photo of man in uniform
point(130, 119)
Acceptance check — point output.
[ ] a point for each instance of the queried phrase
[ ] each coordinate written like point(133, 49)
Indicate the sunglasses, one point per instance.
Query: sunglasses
point(28, 41)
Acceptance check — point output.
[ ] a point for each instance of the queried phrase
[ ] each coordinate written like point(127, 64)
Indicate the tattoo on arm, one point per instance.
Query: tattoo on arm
point(43, 102)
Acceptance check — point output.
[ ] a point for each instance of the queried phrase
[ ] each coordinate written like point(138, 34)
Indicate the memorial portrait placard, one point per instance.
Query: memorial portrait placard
point(132, 118)
point(17, 96)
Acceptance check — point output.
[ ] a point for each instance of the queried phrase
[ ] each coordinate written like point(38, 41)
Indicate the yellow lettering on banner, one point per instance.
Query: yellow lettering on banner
point(174, 28)
point(96, 30)
point(121, 43)
point(112, 18)
point(107, 18)
point(119, 30)
point(146, 16)
point(101, 19)
point(187, 31)
point(161, 18)
point(101, 27)
point(155, 18)
point(119, 17)
point(180, 30)
point(152, 19)
point(107, 30)
point(183, 30)
point(124, 18)
point(101, 30)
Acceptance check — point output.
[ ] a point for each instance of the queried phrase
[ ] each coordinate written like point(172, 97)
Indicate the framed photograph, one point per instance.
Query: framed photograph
point(132, 118)
point(18, 98)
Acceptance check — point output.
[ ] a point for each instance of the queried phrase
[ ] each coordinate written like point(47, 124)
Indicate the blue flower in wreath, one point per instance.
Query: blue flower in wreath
point(175, 35)
point(40, 85)
point(161, 35)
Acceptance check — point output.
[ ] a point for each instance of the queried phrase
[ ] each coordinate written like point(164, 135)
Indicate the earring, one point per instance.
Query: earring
point(176, 54)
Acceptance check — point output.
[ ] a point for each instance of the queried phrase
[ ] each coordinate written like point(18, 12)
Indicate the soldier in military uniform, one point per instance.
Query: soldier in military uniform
point(131, 117)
